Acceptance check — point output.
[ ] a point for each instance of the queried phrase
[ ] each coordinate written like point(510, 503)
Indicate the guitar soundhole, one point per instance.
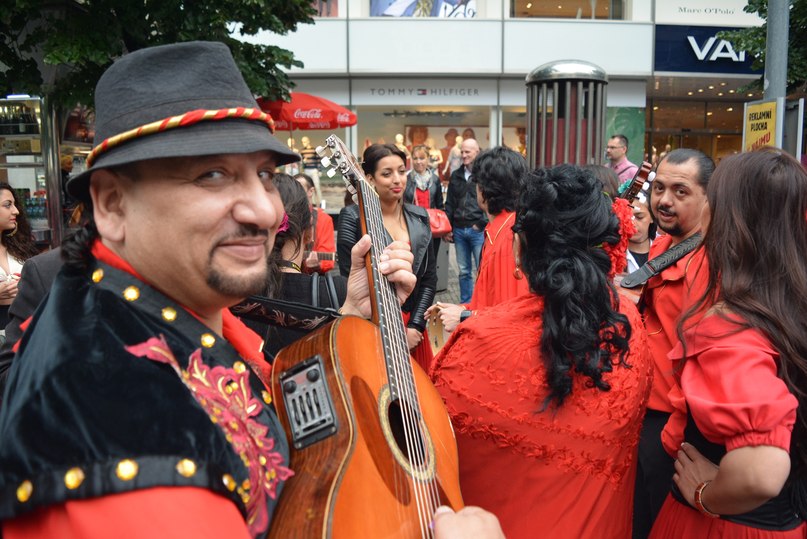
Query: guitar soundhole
point(416, 453)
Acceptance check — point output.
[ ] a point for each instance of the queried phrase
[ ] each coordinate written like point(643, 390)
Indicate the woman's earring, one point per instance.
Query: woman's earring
point(517, 272)
point(14, 231)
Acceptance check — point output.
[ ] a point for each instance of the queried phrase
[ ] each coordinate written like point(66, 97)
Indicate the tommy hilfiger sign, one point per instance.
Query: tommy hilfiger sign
point(434, 92)
point(424, 91)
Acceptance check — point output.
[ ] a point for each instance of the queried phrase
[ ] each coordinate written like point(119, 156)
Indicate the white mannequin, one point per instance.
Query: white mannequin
point(454, 160)
point(435, 155)
point(399, 143)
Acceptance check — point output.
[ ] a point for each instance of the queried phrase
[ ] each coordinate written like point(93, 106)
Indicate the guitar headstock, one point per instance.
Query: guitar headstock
point(643, 175)
point(335, 155)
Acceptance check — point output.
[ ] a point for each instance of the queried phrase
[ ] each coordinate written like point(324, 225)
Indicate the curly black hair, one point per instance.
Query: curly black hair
point(498, 173)
point(563, 219)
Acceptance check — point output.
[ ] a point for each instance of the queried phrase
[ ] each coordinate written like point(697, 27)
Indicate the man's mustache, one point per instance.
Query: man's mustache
point(247, 231)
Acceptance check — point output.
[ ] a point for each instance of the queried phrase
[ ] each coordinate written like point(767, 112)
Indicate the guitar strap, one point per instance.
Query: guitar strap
point(661, 262)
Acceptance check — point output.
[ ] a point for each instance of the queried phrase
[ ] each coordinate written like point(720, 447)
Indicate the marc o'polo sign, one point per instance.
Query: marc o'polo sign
point(762, 125)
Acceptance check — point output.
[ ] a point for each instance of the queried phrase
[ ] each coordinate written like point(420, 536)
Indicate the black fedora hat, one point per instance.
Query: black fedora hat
point(180, 100)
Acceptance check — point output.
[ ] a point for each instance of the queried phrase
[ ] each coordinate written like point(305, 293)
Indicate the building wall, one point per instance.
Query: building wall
point(476, 68)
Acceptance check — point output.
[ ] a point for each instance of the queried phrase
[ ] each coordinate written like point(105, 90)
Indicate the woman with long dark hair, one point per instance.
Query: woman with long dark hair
point(384, 167)
point(16, 246)
point(286, 280)
point(740, 438)
point(547, 390)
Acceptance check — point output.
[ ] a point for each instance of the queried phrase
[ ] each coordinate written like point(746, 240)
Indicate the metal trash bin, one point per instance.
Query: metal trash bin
point(566, 113)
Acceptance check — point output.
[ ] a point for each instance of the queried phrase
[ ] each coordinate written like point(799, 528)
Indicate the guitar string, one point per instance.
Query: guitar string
point(395, 326)
point(407, 389)
point(416, 446)
point(430, 487)
point(374, 225)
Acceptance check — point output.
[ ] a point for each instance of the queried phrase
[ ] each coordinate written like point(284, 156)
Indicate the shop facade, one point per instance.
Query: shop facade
point(405, 74)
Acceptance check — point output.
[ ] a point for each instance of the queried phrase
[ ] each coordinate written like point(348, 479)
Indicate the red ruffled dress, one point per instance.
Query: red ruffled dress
point(733, 393)
point(562, 474)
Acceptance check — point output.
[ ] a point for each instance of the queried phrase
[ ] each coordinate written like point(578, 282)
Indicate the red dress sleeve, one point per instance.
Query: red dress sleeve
point(731, 387)
point(155, 512)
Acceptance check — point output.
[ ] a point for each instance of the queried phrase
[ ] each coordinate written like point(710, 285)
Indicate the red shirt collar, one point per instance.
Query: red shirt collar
point(245, 341)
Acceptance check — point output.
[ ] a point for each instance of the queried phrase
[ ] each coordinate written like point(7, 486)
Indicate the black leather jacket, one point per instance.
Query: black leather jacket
point(461, 206)
point(435, 191)
point(424, 266)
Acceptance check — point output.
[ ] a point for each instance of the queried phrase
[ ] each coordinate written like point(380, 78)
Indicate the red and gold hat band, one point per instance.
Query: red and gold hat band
point(183, 120)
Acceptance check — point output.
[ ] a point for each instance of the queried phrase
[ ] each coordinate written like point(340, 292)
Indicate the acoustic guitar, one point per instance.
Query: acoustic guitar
point(373, 450)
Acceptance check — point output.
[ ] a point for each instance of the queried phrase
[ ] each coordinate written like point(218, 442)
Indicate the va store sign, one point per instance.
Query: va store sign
point(697, 49)
point(714, 50)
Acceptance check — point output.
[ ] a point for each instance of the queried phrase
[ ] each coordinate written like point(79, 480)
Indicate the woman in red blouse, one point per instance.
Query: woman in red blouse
point(739, 437)
point(547, 390)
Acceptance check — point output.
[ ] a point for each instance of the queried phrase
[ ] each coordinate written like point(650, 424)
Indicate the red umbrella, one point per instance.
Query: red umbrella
point(306, 111)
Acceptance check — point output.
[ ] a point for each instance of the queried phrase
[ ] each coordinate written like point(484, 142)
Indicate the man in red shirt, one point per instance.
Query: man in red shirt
point(677, 199)
point(138, 403)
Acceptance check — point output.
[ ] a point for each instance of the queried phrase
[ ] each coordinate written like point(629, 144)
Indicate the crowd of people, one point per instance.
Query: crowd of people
point(615, 368)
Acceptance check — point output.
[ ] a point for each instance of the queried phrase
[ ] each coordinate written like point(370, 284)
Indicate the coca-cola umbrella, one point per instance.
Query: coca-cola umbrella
point(306, 111)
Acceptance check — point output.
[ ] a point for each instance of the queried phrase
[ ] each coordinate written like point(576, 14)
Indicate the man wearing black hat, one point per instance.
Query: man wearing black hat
point(138, 404)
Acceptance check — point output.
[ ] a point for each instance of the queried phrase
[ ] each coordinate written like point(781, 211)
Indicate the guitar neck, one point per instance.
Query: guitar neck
point(320, 255)
point(386, 310)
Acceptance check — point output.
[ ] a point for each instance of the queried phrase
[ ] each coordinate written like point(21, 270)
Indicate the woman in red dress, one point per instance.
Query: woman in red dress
point(740, 436)
point(547, 390)
point(497, 173)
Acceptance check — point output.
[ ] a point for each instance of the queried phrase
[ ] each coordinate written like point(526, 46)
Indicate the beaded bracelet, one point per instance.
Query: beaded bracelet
point(699, 500)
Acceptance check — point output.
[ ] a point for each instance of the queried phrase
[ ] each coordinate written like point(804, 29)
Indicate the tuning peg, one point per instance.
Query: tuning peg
point(331, 172)
point(326, 162)
point(321, 151)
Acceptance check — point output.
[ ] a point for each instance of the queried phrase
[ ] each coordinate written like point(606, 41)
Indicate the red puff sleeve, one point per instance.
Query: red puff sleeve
point(731, 387)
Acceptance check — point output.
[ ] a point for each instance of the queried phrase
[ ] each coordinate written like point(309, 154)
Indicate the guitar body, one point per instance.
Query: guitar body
point(357, 481)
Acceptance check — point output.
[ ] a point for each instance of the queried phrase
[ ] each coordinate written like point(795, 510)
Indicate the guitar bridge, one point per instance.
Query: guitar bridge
point(308, 402)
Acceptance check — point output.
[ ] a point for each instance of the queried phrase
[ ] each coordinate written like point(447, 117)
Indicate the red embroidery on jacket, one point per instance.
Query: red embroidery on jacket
point(227, 398)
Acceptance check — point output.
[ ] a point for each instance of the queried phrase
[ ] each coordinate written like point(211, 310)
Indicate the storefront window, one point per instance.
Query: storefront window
point(514, 129)
point(449, 9)
point(713, 127)
point(678, 115)
point(725, 116)
point(326, 8)
point(568, 9)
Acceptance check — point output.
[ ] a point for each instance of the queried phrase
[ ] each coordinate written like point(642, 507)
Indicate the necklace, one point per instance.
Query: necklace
point(290, 264)
point(492, 240)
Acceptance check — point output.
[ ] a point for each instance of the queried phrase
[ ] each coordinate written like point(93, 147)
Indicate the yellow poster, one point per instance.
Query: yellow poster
point(760, 125)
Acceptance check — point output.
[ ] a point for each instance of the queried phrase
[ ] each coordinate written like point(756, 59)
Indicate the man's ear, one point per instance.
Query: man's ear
point(106, 190)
